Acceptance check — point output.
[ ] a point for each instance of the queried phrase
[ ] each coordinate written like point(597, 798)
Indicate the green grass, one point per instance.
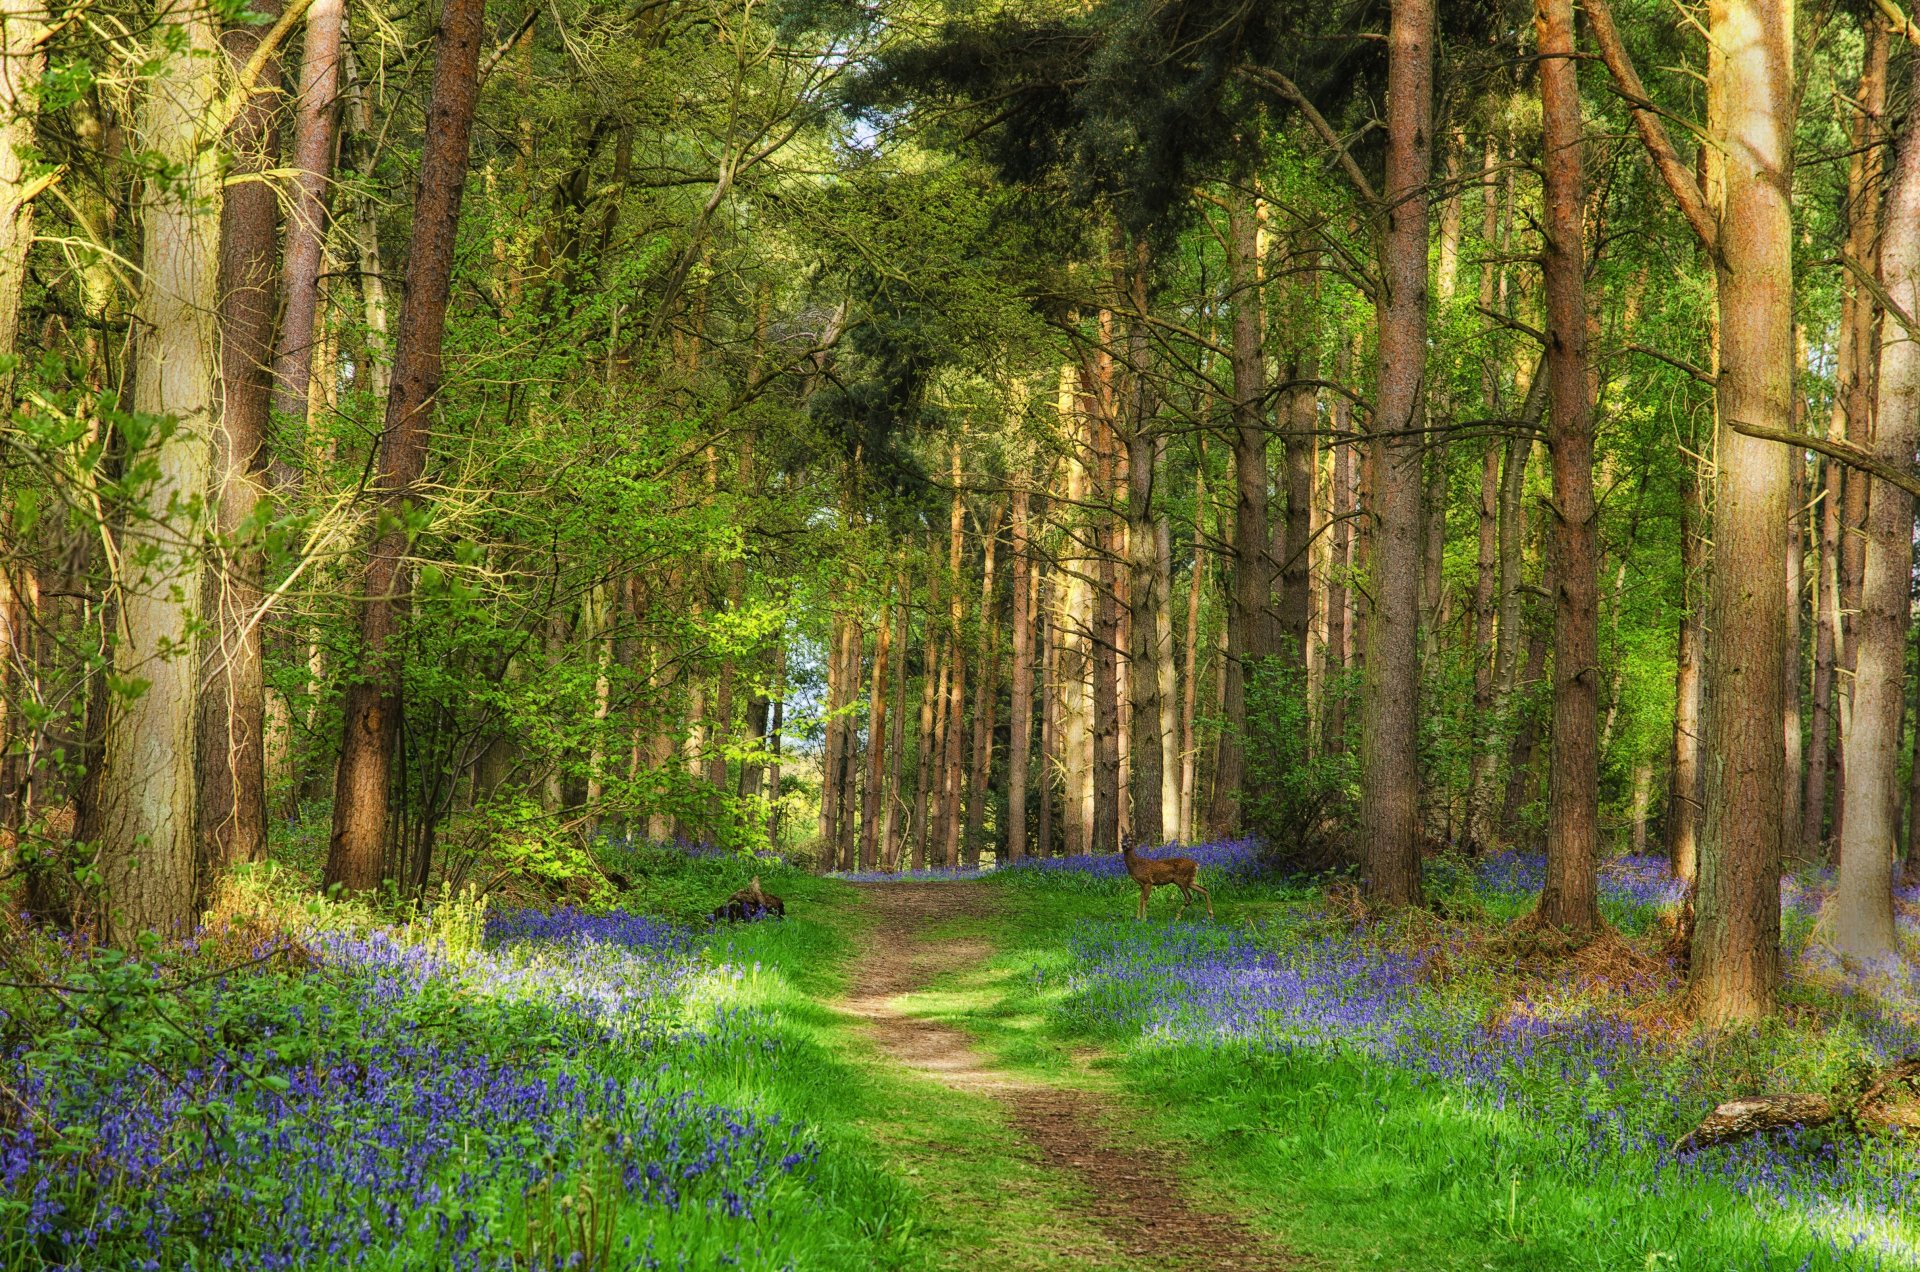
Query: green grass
point(1352, 1164)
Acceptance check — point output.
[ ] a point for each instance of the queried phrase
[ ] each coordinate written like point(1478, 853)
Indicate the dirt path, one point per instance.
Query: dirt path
point(1133, 1192)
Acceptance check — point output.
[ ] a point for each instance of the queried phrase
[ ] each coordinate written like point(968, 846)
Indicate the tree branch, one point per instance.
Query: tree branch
point(1679, 180)
point(1291, 91)
point(1902, 476)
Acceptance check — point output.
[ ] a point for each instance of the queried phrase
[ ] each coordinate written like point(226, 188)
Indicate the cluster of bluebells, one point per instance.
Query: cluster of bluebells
point(1237, 860)
point(1605, 1096)
point(392, 1106)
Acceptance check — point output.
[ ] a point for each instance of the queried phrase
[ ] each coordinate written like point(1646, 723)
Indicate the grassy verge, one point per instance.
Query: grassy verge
point(1357, 1163)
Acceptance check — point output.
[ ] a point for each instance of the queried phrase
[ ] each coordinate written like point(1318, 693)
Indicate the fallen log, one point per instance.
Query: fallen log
point(1865, 1109)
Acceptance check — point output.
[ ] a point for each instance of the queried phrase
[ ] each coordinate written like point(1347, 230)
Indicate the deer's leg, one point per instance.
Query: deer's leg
point(1186, 899)
point(1146, 890)
point(1208, 895)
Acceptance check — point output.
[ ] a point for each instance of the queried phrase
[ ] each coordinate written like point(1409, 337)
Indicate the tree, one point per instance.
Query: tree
point(1570, 899)
point(1389, 726)
point(354, 856)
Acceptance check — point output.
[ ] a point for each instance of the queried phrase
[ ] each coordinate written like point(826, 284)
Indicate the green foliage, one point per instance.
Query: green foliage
point(1301, 792)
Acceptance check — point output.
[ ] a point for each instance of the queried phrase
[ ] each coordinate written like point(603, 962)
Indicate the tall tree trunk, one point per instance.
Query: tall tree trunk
point(1389, 735)
point(1340, 633)
point(366, 239)
point(1793, 783)
point(985, 695)
point(147, 793)
point(1684, 801)
point(1736, 945)
point(22, 25)
point(1190, 668)
point(897, 739)
point(1642, 800)
point(1145, 774)
point(1826, 620)
point(1104, 831)
point(1859, 918)
point(1301, 452)
point(313, 127)
point(833, 740)
point(232, 761)
point(1049, 694)
point(933, 705)
point(1250, 635)
point(1570, 899)
point(876, 810)
point(1853, 415)
point(373, 703)
point(1020, 735)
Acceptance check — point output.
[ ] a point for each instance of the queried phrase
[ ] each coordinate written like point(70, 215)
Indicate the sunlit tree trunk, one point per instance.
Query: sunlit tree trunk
point(147, 792)
point(986, 693)
point(1389, 735)
point(315, 112)
point(1859, 918)
point(1190, 664)
point(1340, 633)
point(1683, 802)
point(1250, 635)
point(22, 24)
point(232, 761)
point(876, 805)
point(1736, 946)
point(897, 737)
point(373, 702)
point(1020, 735)
point(932, 707)
point(1570, 899)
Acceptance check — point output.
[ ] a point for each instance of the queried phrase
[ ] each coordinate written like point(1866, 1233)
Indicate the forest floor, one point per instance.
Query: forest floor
point(1123, 1198)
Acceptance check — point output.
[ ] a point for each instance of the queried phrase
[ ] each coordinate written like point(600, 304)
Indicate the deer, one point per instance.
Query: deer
point(1179, 872)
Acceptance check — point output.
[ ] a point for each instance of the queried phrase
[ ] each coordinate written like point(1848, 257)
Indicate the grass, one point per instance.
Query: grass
point(1358, 1162)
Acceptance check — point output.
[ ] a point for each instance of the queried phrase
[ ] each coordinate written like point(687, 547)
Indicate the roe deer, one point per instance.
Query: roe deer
point(1180, 872)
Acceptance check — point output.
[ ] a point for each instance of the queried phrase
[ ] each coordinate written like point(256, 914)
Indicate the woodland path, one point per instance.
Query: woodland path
point(1131, 1191)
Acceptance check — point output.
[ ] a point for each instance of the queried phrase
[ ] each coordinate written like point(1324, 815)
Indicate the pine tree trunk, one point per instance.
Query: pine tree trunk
point(366, 239)
point(1250, 635)
point(313, 144)
point(876, 807)
point(1642, 800)
point(1793, 783)
point(1859, 917)
point(232, 762)
point(897, 739)
point(1301, 452)
point(1736, 944)
point(1020, 736)
point(1570, 899)
point(1684, 801)
point(149, 846)
point(1145, 774)
point(933, 707)
point(1826, 619)
point(22, 23)
point(373, 703)
point(1049, 692)
point(985, 695)
point(1340, 633)
point(1104, 828)
point(1190, 665)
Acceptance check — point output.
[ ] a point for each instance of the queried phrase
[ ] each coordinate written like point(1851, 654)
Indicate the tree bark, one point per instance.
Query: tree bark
point(1736, 944)
point(932, 712)
point(1104, 827)
point(1301, 452)
point(1570, 898)
point(1826, 619)
point(1684, 805)
point(897, 739)
point(1859, 917)
point(232, 762)
point(1020, 736)
point(1250, 634)
point(149, 844)
point(373, 702)
point(1389, 736)
point(1145, 776)
point(315, 112)
point(1340, 506)
point(876, 805)
point(985, 695)
point(1190, 685)
point(22, 23)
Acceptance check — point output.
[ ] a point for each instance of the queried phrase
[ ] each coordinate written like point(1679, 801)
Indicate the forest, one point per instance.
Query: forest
point(612, 613)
